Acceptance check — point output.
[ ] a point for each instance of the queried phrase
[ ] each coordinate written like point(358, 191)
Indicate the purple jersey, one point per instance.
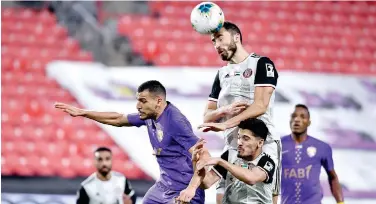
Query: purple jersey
point(301, 167)
point(171, 137)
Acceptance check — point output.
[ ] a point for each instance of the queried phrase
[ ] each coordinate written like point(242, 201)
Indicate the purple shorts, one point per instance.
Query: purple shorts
point(160, 194)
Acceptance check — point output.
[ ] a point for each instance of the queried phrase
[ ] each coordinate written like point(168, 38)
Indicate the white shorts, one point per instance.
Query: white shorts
point(274, 149)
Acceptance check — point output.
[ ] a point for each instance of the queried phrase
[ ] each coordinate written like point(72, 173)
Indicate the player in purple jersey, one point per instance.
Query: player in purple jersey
point(302, 159)
point(171, 137)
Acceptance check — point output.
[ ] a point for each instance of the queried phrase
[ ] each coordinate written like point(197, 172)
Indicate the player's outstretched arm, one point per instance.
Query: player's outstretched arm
point(263, 172)
point(109, 118)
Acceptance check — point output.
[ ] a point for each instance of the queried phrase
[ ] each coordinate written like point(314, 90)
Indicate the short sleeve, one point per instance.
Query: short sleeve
point(220, 169)
point(184, 133)
point(129, 191)
point(134, 120)
point(216, 89)
point(82, 197)
point(327, 159)
point(267, 164)
point(266, 73)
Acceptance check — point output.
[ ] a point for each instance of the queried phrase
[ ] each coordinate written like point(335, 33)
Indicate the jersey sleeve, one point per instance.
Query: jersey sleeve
point(129, 191)
point(134, 119)
point(184, 133)
point(327, 159)
point(220, 169)
point(266, 74)
point(267, 164)
point(82, 197)
point(216, 89)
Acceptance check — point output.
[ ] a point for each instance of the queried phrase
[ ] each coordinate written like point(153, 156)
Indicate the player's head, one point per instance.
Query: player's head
point(300, 119)
point(227, 40)
point(103, 160)
point(251, 136)
point(151, 95)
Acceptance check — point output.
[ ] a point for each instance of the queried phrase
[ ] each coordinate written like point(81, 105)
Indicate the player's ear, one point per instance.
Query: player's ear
point(237, 38)
point(309, 123)
point(261, 143)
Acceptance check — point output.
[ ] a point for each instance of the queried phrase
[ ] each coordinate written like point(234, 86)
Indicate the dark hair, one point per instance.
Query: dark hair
point(153, 86)
point(103, 149)
point(257, 126)
point(303, 106)
point(233, 29)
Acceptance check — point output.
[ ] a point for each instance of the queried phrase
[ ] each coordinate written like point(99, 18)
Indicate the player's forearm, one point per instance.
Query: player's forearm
point(213, 115)
point(108, 118)
point(253, 111)
point(336, 189)
point(240, 173)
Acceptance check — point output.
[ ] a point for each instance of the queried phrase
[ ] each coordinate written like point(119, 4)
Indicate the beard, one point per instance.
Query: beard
point(230, 52)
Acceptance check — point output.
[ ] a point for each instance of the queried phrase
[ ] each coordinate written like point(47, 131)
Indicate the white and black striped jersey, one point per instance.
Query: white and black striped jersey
point(236, 191)
point(96, 191)
point(237, 82)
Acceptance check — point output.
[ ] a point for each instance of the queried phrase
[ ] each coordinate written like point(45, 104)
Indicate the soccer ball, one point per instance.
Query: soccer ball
point(207, 18)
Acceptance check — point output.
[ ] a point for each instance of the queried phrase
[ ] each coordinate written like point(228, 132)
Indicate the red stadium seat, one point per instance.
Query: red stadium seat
point(38, 140)
point(309, 25)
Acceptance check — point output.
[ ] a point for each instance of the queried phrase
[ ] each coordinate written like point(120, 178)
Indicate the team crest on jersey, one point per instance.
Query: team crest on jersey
point(311, 151)
point(247, 73)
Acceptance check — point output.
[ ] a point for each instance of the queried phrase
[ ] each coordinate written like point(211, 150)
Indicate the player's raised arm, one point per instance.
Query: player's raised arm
point(109, 118)
point(335, 186)
point(212, 113)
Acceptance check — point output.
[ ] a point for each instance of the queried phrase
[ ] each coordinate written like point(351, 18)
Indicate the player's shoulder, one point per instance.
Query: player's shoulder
point(286, 138)
point(118, 175)
point(88, 180)
point(266, 156)
point(318, 142)
point(259, 58)
point(266, 159)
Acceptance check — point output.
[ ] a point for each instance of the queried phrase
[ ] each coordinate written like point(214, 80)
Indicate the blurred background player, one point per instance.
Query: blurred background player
point(246, 86)
point(302, 159)
point(171, 137)
point(247, 171)
point(105, 186)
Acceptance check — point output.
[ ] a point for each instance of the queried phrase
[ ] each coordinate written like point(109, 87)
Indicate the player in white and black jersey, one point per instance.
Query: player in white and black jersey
point(105, 186)
point(242, 89)
point(247, 171)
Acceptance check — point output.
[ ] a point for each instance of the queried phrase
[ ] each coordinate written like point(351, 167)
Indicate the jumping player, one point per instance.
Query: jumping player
point(302, 159)
point(242, 89)
point(170, 134)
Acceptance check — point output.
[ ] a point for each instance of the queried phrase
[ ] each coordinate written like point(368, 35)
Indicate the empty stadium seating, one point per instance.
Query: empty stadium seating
point(36, 139)
point(299, 36)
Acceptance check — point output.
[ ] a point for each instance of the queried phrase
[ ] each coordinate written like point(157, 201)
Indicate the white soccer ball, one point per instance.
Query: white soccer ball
point(207, 18)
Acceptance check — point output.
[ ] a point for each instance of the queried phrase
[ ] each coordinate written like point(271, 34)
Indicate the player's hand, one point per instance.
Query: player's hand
point(127, 199)
point(209, 162)
point(198, 149)
point(186, 195)
point(216, 127)
point(71, 110)
point(235, 108)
